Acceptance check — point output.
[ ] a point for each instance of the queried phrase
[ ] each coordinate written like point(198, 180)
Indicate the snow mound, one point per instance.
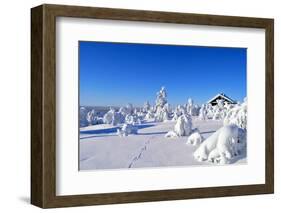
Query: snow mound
point(171, 134)
point(195, 138)
point(223, 146)
point(183, 127)
point(127, 129)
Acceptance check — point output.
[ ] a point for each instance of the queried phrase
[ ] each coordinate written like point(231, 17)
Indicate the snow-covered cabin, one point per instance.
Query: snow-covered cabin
point(221, 96)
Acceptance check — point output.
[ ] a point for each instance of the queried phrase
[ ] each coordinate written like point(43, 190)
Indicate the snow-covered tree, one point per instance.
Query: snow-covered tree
point(127, 129)
point(228, 106)
point(168, 108)
point(108, 117)
point(183, 127)
point(230, 141)
point(203, 112)
point(146, 107)
point(162, 107)
point(209, 109)
point(219, 111)
point(216, 113)
point(112, 117)
point(117, 118)
point(135, 111)
point(130, 119)
point(83, 117)
point(180, 110)
point(166, 112)
point(189, 106)
point(162, 114)
point(196, 109)
point(149, 115)
point(91, 118)
point(237, 115)
point(161, 98)
point(124, 111)
point(141, 115)
point(222, 146)
point(195, 138)
point(130, 108)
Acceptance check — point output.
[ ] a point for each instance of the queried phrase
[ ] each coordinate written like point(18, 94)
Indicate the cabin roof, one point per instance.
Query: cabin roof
point(224, 96)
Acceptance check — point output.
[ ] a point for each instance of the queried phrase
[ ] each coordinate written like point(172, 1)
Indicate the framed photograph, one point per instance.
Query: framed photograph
point(136, 106)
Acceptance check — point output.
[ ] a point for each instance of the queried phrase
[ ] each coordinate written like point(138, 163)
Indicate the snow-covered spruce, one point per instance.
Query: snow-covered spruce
point(216, 112)
point(209, 109)
point(180, 110)
point(133, 119)
point(127, 114)
point(161, 106)
point(223, 146)
point(149, 115)
point(196, 110)
point(130, 108)
point(112, 117)
point(203, 112)
point(124, 111)
point(93, 119)
point(83, 117)
point(161, 97)
point(127, 129)
point(237, 115)
point(191, 108)
point(183, 127)
point(195, 138)
point(146, 107)
point(162, 114)
point(108, 117)
point(117, 118)
point(90, 116)
point(219, 110)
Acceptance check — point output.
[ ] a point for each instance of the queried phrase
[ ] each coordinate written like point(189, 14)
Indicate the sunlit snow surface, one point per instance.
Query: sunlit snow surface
point(101, 147)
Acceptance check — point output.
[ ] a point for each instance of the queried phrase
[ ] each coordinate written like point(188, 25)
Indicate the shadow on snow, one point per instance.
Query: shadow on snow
point(152, 133)
point(111, 130)
point(207, 132)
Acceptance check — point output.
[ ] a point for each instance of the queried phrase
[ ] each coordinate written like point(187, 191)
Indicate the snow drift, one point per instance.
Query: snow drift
point(195, 138)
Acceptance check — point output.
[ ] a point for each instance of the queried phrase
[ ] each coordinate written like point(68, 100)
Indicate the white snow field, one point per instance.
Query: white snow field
point(101, 147)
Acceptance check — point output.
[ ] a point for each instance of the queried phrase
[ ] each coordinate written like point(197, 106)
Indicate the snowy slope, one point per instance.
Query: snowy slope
point(101, 148)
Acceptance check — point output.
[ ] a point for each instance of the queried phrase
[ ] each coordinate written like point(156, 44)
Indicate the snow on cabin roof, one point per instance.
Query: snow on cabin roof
point(224, 96)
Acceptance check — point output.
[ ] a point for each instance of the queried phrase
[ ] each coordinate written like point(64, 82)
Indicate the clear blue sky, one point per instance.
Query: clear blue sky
point(114, 74)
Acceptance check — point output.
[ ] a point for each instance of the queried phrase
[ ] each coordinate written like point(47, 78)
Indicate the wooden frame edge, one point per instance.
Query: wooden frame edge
point(269, 105)
point(43, 105)
point(36, 106)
